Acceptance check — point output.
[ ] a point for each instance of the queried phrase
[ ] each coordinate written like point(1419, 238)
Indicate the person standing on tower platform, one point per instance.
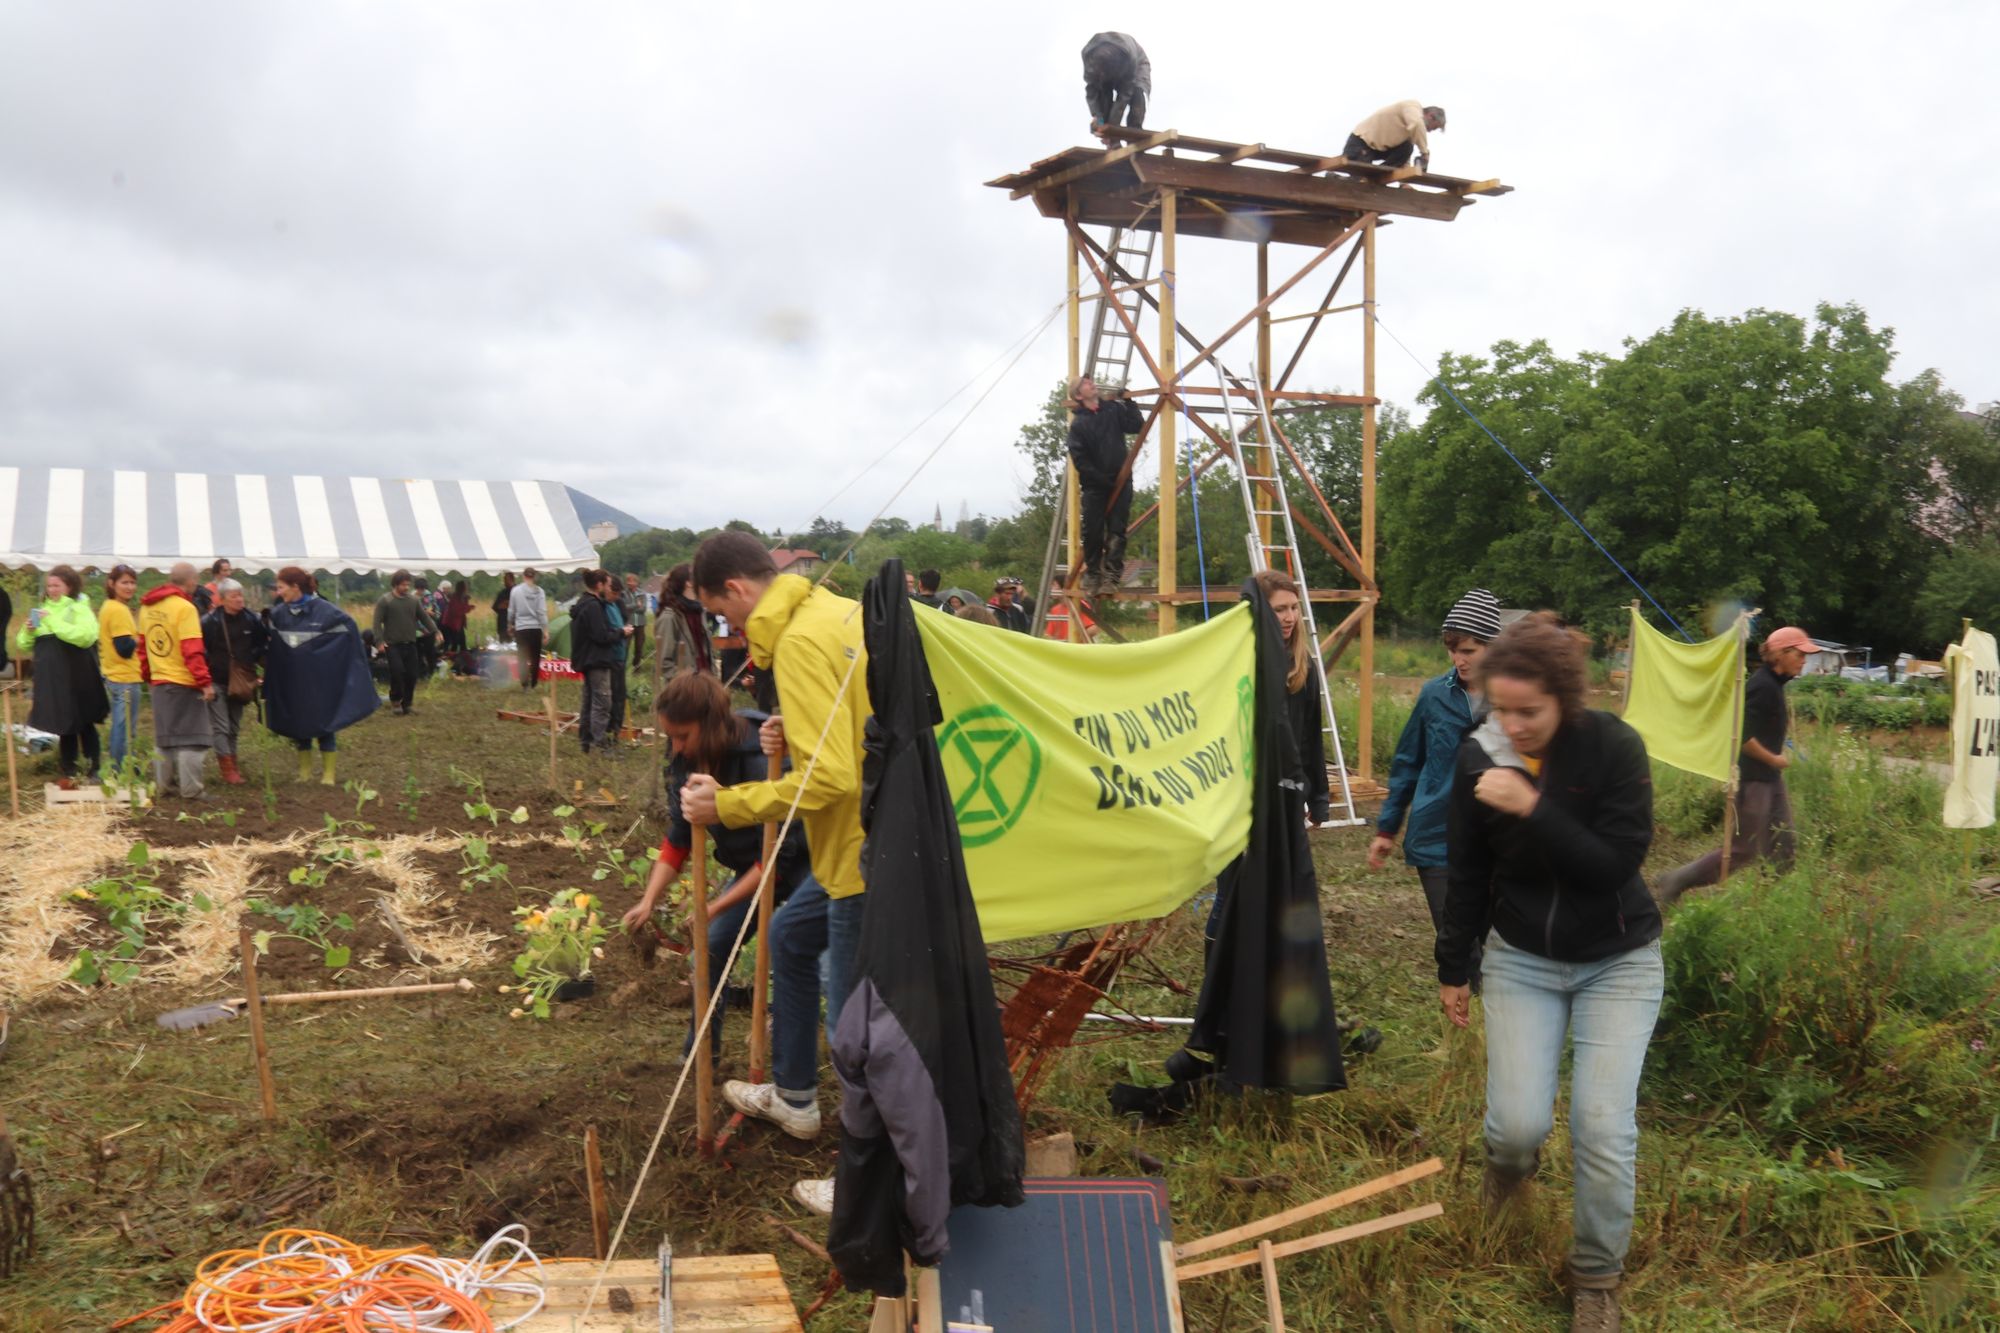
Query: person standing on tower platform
point(1097, 431)
point(1389, 136)
point(1117, 79)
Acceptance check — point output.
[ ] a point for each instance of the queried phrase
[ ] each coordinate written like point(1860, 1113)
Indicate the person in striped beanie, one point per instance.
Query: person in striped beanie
point(1420, 775)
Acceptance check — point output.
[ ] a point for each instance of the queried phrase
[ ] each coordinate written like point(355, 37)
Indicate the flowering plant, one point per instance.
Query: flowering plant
point(558, 943)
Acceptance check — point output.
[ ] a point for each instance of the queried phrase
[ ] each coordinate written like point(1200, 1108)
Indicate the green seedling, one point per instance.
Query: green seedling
point(304, 922)
point(128, 901)
point(477, 865)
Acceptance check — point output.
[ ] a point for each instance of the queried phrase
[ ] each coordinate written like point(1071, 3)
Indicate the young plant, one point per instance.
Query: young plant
point(559, 942)
point(413, 795)
point(578, 836)
point(305, 922)
point(632, 871)
point(477, 866)
point(361, 792)
point(128, 900)
point(481, 810)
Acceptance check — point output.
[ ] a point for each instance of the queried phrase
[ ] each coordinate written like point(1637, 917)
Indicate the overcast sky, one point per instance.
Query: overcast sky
point(706, 261)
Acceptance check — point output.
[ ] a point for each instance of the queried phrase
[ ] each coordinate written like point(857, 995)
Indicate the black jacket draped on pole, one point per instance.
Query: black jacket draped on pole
point(927, 1113)
point(1266, 1006)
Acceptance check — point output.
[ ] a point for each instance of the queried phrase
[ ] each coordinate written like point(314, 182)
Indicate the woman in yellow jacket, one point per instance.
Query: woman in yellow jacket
point(119, 655)
point(69, 700)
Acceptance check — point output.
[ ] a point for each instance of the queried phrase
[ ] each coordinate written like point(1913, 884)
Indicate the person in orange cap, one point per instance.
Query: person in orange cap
point(1764, 809)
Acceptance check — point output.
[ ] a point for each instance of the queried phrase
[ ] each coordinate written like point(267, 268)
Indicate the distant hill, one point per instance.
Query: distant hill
point(591, 510)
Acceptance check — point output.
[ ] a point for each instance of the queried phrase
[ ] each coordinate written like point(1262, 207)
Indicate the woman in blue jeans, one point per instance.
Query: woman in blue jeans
point(707, 737)
point(1551, 815)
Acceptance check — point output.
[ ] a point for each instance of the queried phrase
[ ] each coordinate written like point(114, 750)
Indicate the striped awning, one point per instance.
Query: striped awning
point(96, 518)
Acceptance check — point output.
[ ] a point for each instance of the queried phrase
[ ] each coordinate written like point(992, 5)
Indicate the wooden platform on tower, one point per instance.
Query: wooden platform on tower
point(1153, 187)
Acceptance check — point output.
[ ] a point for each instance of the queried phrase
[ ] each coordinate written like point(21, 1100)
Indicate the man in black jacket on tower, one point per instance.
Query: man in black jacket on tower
point(1097, 431)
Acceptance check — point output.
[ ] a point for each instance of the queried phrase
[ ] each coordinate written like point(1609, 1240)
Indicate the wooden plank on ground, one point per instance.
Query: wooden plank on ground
point(733, 1293)
point(1321, 1241)
point(1277, 1221)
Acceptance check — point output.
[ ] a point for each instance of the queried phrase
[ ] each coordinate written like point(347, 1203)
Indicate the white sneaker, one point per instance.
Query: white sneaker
point(762, 1102)
point(815, 1196)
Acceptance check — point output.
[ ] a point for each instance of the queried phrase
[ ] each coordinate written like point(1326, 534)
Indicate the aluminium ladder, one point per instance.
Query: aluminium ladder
point(1273, 491)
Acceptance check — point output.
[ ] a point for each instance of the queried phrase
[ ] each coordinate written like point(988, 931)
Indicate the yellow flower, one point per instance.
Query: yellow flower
point(534, 921)
point(584, 900)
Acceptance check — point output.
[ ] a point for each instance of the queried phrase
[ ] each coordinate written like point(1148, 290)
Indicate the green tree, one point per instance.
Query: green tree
point(1041, 444)
point(1965, 582)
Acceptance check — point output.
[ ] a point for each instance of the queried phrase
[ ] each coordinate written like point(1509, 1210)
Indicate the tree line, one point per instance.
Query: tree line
point(1767, 459)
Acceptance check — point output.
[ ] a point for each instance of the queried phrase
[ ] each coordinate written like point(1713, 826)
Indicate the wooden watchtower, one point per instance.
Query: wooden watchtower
point(1179, 185)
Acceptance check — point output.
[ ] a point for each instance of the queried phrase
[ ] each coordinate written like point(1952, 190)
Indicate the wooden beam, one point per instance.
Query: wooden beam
point(1295, 396)
point(1318, 1242)
point(1169, 439)
point(1299, 352)
point(1364, 743)
point(1082, 169)
point(1320, 313)
point(1238, 153)
point(1307, 1211)
point(1281, 289)
point(1281, 187)
point(1324, 164)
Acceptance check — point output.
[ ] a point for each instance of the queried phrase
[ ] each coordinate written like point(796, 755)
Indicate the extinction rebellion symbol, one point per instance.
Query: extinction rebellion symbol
point(991, 764)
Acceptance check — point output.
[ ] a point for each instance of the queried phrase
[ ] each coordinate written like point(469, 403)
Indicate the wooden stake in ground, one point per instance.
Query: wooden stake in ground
point(600, 1209)
point(1273, 1306)
point(1736, 730)
point(555, 782)
point(13, 777)
point(704, 1068)
point(267, 1087)
point(760, 1004)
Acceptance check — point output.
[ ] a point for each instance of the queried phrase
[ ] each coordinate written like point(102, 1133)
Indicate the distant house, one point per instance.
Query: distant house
point(795, 561)
point(601, 532)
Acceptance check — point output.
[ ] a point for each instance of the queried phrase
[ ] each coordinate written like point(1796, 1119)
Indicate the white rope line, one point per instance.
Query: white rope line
point(708, 1010)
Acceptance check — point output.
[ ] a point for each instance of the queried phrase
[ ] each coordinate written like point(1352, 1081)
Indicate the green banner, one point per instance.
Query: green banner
point(1093, 783)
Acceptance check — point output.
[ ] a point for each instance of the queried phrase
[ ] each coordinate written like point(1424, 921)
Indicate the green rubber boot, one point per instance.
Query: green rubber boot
point(326, 778)
point(305, 765)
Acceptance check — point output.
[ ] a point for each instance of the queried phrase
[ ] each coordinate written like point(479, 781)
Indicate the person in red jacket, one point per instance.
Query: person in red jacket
point(176, 666)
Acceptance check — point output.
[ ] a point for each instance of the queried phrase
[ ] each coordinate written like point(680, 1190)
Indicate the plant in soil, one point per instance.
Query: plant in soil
point(127, 900)
point(413, 795)
point(478, 866)
point(305, 922)
point(559, 942)
point(578, 836)
point(631, 871)
point(361, 792)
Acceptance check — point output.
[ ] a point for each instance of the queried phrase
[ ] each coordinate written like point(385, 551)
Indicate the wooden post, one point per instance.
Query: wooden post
point(1364, 742)
point(767, 891)
point(1951, 683)
point(1735, 730)
point(555, 782)
point(13, 774)
point(1266, 454)
point(1274, 1308)
point(1631, 658)
point(1169, 581)
point(267, 1086)
point(1073, 519)
point(704, 1068)
point(600, 1208)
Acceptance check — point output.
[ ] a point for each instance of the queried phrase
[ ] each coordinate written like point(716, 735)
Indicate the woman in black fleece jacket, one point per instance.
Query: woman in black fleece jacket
point(1551, 815)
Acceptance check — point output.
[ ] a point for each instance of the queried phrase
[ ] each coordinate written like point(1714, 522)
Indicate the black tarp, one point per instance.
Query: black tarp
point(1266, 1007)
point(927, 1115)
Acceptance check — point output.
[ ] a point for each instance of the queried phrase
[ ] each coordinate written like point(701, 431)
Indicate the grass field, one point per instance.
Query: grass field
point(1817, 1120)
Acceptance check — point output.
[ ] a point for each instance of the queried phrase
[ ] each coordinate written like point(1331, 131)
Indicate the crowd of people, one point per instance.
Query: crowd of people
point(201, 657)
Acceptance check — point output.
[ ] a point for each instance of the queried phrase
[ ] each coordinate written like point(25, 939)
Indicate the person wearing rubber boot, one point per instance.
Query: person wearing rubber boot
point(810, 639)
point(1426, 759)
point(1551, 816)
point(235, 640)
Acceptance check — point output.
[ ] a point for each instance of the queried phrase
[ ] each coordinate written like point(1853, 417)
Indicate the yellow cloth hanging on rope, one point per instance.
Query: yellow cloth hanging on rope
point(1684, 699)
point(1093, 783)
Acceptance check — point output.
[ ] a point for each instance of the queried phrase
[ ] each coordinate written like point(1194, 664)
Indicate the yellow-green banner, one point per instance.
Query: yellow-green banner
point(1093, 783)
point(1683, 698)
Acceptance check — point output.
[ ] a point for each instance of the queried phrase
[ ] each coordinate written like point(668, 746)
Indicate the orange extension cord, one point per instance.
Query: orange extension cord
point(299, 1281)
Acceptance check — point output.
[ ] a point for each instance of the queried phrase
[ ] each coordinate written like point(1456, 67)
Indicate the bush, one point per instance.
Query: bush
point(1849, 1003)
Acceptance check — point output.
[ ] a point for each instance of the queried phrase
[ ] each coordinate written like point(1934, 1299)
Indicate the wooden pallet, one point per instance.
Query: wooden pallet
point(733, 1293)
point(91, 794)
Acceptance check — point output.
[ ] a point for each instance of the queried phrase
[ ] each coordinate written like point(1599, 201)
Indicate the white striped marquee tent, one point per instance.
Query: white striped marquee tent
point(98, 518)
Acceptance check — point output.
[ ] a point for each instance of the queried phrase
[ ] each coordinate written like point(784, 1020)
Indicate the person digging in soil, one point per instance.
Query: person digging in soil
point(708, 738)
point(1551, 815)
point(810, 638)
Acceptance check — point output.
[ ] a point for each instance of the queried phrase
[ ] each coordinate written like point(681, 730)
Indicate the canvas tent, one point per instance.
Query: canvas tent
point(97, 518)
